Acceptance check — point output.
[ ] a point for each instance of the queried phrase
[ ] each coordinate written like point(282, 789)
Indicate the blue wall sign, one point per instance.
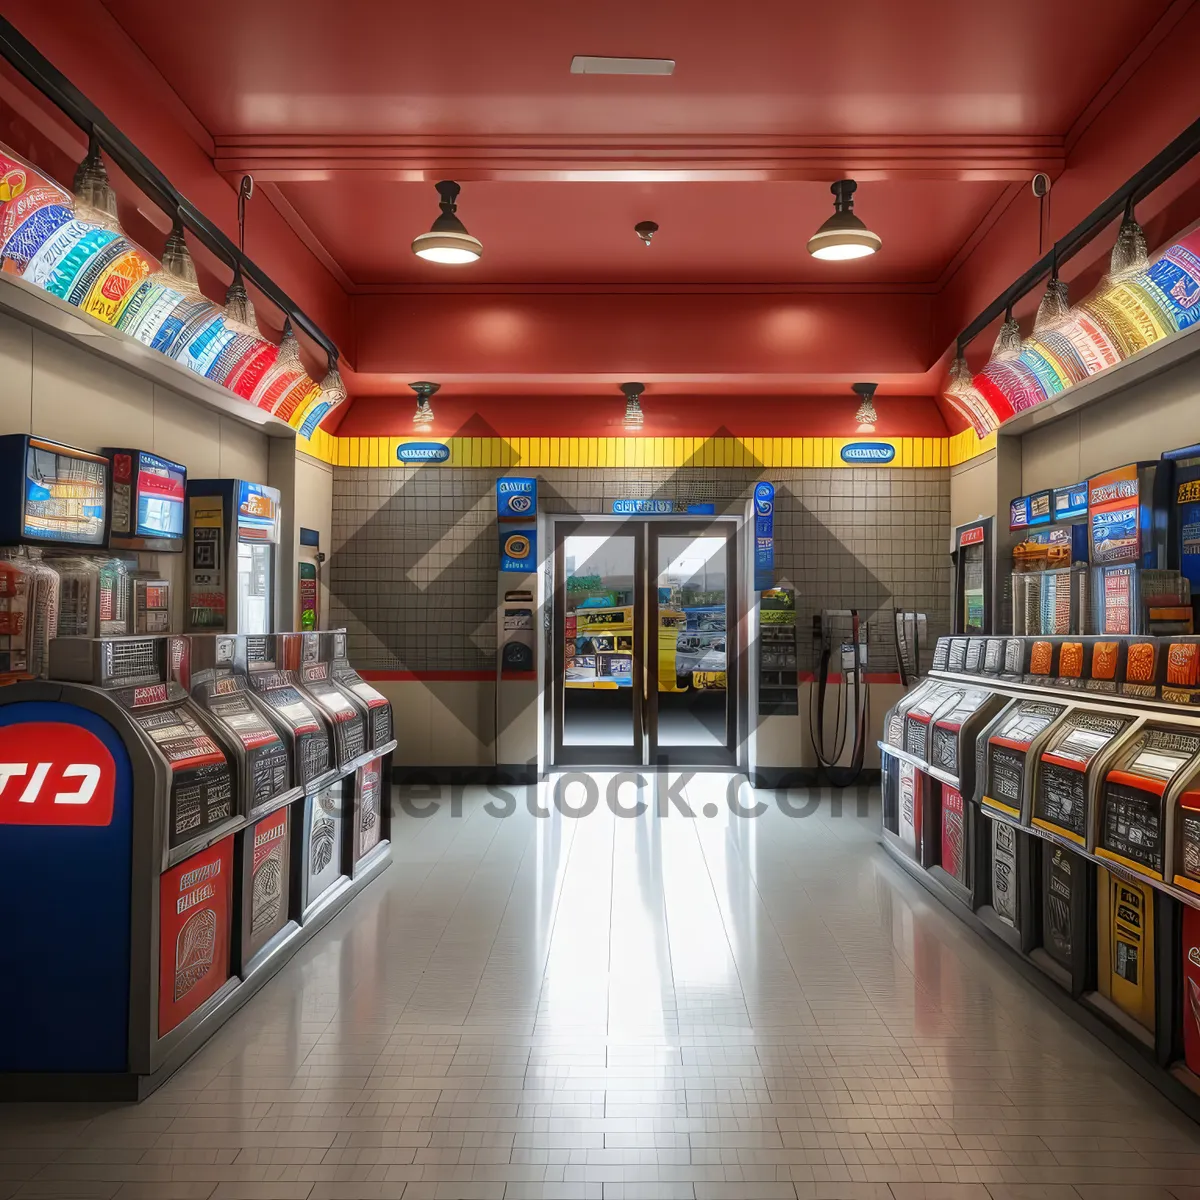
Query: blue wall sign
point(422, 452)
point(642, 508)
point(1018, 513)
point(518, 550)
point(1070, 502)
point(516, 499)
point(1039, 508)
point(868, 453)
point(764, 536)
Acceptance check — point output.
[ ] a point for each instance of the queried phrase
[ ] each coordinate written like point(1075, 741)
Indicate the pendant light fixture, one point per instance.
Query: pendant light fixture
point(425, 393)
point(239, 310)
point(95, 200)
point(333, 390)
point(634, 417)
point(844, 235)
point(448, 242)
point(1008, 340)
point(289, 349)
point(1054, 308)
point(1129, 253)
point(178, 271)
point(866, 416)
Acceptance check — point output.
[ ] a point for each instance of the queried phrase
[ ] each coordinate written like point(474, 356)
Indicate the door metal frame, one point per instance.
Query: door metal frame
point(643, 528)
point(715, 756)
point(596, 755)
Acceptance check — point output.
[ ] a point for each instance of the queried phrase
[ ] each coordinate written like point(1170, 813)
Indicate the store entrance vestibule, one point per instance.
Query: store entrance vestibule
point(644, 667)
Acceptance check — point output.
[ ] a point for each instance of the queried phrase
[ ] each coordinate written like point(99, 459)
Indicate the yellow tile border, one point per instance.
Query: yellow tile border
point(646, 452)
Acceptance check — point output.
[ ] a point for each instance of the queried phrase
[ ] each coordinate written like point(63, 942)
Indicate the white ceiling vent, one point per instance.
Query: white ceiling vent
point(591, 64)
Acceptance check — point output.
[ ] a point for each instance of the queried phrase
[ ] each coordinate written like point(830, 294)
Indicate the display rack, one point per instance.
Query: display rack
point(1082, 851)
point(150, 901)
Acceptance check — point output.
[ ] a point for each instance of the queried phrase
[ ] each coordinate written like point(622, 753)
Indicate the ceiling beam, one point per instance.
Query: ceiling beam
point(282, 158)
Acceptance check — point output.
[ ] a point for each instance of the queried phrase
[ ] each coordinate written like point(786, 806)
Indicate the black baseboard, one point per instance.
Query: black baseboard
point(515, 775)
point(810, 777)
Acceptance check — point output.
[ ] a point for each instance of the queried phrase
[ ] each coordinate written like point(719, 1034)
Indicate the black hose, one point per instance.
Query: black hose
point(840, 777)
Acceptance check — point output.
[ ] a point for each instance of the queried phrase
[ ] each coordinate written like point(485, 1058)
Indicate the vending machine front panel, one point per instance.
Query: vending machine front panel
point(911, 814)
point(194, 910)
point(368, 813)
point(321, 852)
point(306, 733)
point(1004, 872)
point(334, 651)
point(954, 730)
point(1191, 988)
point(265, 882)
point(1062, 880)
point(1018, 731)
point(919, 715)
point(1187, 833)
point(1135, 796)
point(348, 724)
point(1061, 801)
point(1126, 924)
point(954, 856)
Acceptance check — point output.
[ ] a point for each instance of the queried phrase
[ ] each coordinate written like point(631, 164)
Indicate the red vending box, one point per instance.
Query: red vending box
point(193, 945)
point(953, 833)
point(1191, 988)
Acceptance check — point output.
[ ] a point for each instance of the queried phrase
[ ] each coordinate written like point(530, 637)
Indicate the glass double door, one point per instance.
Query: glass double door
point(645, 637)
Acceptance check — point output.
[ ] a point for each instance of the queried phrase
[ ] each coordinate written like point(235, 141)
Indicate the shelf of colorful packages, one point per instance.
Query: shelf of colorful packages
point(1138, 322)
point(90, 284)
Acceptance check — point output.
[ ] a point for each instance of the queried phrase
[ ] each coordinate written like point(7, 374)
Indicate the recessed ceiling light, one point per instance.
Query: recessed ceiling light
point(448, 241)
point(597, 64)
point(843, 236)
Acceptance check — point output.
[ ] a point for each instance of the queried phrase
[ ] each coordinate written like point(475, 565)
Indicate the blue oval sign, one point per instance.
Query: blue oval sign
point(874, 453)
point(422, 452)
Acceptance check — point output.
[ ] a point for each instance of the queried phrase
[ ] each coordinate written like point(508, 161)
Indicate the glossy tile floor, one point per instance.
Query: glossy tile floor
point(654, 1007)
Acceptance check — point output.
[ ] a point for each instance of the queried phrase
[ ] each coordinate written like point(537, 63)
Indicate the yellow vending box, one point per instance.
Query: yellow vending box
point(1125, 929)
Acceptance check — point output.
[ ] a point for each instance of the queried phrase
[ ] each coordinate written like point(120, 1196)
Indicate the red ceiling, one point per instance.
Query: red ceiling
point(775, 66)
point(583, 232)
point(346, 114)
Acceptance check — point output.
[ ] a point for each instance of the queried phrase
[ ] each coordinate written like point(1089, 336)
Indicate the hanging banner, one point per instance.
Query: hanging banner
point(764, 536)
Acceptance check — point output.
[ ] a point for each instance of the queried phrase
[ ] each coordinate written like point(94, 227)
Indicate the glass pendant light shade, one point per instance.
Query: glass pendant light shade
point(634, 417)
point(1008, 340)
point(843, 236)
point(239, 308)
point(425, 392)
point(1054, 311)
point(178, 270)
point(448, 241)
point(289, 349)
point(1129, 253)
point(866, 416)
point(333, 390)
point(95, 200)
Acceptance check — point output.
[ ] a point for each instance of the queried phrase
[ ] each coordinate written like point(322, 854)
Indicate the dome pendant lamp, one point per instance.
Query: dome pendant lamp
point(843, 235)
point(448, 242)
point(866, 416)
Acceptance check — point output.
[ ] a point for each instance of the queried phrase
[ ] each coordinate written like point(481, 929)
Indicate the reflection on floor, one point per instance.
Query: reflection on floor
point(655, 1006)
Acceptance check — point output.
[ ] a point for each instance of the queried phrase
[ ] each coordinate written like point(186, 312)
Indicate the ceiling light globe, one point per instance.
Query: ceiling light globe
point(449, 249)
